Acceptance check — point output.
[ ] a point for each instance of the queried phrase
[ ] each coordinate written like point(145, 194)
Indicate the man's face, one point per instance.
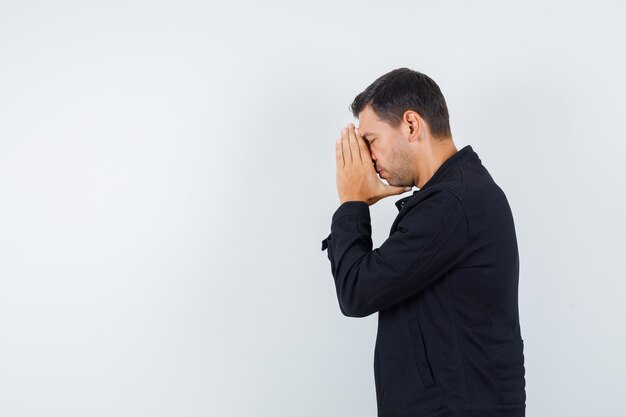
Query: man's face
point(388, 148)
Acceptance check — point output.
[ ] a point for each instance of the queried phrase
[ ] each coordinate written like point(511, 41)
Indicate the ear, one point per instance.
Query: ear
point(414, 123)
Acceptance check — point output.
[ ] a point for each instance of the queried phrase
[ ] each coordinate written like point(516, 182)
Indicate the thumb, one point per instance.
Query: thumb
point(393, 190)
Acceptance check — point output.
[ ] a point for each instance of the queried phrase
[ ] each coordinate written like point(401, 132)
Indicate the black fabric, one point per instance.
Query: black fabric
point(445, 286)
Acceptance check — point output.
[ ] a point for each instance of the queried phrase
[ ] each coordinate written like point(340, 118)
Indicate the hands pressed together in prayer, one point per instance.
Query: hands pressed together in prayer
point(357, 179)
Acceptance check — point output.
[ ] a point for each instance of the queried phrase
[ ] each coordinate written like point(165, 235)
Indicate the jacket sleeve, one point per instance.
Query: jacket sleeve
point(429, 240)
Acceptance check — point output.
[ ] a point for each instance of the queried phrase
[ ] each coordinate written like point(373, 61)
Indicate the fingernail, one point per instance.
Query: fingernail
point(344, 130)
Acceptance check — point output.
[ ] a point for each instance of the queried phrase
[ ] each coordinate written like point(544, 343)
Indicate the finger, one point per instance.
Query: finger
point(339, 153)
point(354, 144)
point(364, 150)
point(345, 143)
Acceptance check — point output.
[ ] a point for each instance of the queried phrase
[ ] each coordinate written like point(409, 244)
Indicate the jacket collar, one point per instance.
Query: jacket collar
point(458, 158)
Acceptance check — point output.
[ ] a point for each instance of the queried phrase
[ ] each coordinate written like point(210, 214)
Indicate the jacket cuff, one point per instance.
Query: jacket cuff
point(325, 242)
point(348, 208)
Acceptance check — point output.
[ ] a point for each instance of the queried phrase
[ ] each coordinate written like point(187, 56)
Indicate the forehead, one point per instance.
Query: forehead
point(369, 123)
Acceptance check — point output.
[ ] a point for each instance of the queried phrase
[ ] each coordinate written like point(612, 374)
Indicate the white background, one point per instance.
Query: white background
point(167, 175)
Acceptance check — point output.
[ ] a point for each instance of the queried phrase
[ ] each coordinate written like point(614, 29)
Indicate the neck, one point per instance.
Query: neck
point(433, 155)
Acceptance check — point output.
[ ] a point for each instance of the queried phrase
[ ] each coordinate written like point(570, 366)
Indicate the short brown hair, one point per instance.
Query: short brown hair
point(404, 89)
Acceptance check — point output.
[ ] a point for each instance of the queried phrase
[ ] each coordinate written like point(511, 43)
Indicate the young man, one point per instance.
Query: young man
point(445, 282)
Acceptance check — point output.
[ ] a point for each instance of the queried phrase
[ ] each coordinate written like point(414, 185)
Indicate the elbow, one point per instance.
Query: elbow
point(354, 309)
point(355, 299)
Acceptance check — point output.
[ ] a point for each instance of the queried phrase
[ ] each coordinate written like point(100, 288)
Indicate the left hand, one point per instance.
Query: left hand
point(357, 179)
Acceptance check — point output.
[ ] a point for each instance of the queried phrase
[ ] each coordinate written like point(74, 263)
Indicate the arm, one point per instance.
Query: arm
point(430, 239)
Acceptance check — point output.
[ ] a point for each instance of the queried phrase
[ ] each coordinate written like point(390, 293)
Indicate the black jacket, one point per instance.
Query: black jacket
point(445, 285)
